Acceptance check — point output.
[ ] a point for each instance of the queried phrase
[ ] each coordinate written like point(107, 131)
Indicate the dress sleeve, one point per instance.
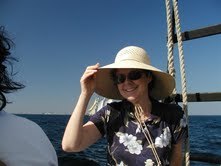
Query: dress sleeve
point(179, 125)
point(99, 120)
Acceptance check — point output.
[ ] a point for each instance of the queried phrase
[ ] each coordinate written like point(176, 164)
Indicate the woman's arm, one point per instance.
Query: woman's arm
point(77, 136)
point(176, 154)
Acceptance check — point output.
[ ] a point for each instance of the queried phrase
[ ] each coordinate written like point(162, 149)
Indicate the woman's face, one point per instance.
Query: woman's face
point(132, 84)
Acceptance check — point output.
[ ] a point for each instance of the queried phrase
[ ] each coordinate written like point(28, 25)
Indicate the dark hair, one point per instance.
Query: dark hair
point(7, 85)
point(113, 74)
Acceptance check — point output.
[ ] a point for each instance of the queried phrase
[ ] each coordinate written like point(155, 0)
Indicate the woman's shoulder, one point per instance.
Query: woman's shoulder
point(166, 106)
point(119, 105)
point(117, 109)
point(168, 111)
point(115, 105)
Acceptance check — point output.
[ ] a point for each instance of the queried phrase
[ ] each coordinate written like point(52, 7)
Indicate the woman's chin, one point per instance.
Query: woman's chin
point(132, 99)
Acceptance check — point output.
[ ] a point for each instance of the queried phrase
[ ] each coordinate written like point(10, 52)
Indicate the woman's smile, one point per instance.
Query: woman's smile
point(130, 89)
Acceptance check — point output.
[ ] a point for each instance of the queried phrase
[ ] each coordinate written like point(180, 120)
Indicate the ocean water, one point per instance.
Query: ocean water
point(205, 139)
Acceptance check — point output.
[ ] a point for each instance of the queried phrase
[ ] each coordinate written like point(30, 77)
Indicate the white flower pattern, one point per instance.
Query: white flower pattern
point(149, 162)
point(134, 147)
point(164, 139)
point(130, 141)
point(138, 130)
point(121, 164)
point(126, 139)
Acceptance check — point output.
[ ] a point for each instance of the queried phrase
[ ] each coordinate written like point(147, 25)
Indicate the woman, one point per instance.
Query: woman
point(139, 129)
point(22, 142)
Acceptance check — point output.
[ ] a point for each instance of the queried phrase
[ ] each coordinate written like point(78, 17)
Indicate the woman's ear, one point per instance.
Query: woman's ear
point(149, 78)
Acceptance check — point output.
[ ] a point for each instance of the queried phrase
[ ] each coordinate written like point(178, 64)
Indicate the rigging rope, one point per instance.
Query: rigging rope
point(170, 67)
point(181, 59)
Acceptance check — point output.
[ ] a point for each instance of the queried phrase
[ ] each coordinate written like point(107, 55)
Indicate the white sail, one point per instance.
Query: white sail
point(98, 104)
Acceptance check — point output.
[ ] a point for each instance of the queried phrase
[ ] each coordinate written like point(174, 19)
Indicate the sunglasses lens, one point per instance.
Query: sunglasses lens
point(134, 75)
point(120, 78)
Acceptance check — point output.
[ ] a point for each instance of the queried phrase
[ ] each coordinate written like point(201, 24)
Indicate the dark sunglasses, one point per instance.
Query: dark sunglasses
point(132, 75)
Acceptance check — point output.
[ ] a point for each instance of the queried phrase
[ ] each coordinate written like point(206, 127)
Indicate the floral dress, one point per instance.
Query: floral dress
point(127, 144)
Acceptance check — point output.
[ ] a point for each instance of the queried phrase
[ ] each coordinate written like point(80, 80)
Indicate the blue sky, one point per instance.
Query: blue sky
point(55, 40)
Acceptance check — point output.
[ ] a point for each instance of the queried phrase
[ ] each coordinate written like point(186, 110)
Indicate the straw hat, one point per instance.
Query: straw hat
point(133, 57)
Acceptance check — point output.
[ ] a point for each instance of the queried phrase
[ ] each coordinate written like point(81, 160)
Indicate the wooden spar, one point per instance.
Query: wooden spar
point(196, 97)
point(206, 157)
point(199, 33)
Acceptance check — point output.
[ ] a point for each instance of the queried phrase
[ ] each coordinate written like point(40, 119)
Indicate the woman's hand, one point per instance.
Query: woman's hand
point(88, 80)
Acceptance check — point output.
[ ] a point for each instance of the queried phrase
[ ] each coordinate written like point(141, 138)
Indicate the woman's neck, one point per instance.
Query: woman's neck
point(144, 109)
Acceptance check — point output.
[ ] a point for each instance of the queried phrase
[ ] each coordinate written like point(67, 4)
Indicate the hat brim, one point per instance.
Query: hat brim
point(163, 84)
